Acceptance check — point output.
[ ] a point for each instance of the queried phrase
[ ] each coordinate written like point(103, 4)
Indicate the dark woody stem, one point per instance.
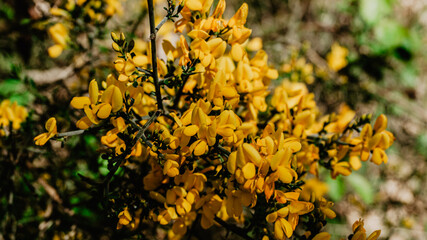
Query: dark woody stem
point(154, 55)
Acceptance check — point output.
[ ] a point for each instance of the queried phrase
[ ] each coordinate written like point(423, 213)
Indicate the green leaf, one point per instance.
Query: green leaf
point(336, 188)
point(22, 98)
point(389, 33)
point(371, 11)
point(103, 166)
point(91, 141)
point(11, 86)
point(421, 144)
point(408, 76)
point(362, 187)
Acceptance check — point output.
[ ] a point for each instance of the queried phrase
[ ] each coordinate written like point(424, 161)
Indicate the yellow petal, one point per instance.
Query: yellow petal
point(322, 236)
point(241, 160)
point(374, 236)
point(231, 162)
point(41, 139)
point(280, 158)
point(225, 131)
point(113, 96)
point(190, 130)
point(140, 60)
point(300, 207)
point(328, 213)
point(157, 196)
point(283, 212)
point(249, 170)
point(201, 148)
point(359, 236)
point(271, 217)
point(237, 52)
point(229, 92)
point(355, 162)
point(104, 111)
point(51, 125)
point(129, 68)
point(287, 227)
point(284, 174)
point(272, 73)
point(55, 50)
point(197, 33)
point(252, 154)
point(254, 44)
point(93, 91)
point(119, 65)
point(79, 102)
point(194, 5)
point(379, 156)
point(84, 123)
point(380, 124)
point(217, 47)
point(278, 230)
point(239, 19)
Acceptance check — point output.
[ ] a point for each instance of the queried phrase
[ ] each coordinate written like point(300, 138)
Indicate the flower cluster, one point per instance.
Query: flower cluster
point(11, 116)
point(219, 146)
point(72, 14)
point(298, 69)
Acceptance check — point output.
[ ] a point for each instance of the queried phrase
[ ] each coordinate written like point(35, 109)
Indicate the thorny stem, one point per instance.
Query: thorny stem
point(154, 55)
point(239, 231)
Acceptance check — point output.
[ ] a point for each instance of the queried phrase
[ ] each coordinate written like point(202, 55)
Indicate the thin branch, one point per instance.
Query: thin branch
point(224, 151)
point(317, 137)
point(165, 19)
point(70, 133)
point(128, 150)
point(179, 94)
point(142, 14)
point(239, 231)
point(154, 55)
point(144, 71)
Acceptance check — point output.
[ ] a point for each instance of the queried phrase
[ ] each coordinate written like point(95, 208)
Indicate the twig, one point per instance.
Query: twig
point(224, 151)
point(179, 93)
point(165, 19)
point(239, 231)
point(316, 136)
point(139, 135)
point(154, 55)
point(141, 16)
point(70, 133)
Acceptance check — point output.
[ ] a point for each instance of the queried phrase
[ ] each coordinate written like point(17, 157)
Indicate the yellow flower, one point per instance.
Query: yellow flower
point(285, 227)
point(12, 113)
point(211, 204)
point(359, 232)
point(51, 132)
point(59, 35)
point(375, 140)
point(337, 57)
point(322, 236)
point(124, 218)
point(98, 106)
point(342, 120)
point(55, 50)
